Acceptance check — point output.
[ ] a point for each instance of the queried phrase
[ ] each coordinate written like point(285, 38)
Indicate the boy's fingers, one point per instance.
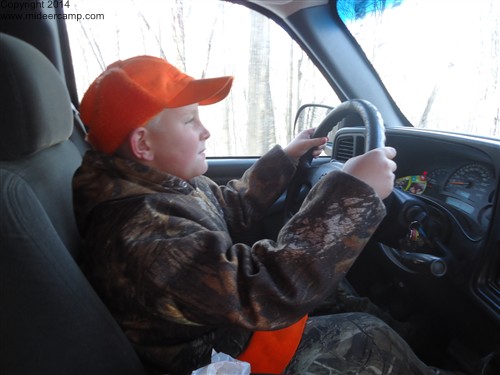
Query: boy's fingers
point(307, 133)
point(393, 165)
point(390, 152)
point(318, 141)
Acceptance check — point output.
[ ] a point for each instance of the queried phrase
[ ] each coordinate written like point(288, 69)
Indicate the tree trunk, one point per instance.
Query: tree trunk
point(260, 127)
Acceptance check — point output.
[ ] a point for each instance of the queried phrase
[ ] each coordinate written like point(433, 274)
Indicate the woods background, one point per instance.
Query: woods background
point(273, 77)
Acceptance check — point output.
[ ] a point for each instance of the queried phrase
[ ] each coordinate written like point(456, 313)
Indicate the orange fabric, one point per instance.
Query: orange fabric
point(270, 352)
point(131, 92)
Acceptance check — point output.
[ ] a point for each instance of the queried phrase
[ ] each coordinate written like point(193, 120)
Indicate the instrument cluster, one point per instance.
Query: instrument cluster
point(469, 188)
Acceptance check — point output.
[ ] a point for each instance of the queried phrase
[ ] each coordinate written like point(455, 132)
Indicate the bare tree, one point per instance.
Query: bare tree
point(91, 40)
point(260, 129)
point(155, 34)
point(179, 32)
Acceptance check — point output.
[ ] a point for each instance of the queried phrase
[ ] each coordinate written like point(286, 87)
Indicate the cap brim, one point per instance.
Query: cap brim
point(202, 91)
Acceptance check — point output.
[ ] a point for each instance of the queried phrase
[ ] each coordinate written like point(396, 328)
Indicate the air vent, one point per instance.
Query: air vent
point(347, 146)
point(344, 148)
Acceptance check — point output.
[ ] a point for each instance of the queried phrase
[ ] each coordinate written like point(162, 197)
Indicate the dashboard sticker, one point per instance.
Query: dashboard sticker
point(412, 184)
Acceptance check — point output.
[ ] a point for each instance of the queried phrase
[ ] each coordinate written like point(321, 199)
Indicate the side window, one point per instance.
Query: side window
point(273, 76)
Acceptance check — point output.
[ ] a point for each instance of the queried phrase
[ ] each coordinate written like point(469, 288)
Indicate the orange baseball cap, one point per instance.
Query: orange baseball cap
point(131, 92)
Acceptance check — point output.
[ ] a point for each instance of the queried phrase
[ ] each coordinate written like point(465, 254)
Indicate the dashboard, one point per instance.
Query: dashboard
point(456, 176)
point(439, 241)
point(468, 186)
point(458, 172)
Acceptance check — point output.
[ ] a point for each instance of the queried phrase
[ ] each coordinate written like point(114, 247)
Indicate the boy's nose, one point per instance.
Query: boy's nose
point(205, 134)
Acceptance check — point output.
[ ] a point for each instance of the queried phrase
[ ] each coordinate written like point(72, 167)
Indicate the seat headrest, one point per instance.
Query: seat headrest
point(35, 107)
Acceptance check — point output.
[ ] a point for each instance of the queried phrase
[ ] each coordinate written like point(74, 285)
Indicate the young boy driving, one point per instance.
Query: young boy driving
point(159, 245)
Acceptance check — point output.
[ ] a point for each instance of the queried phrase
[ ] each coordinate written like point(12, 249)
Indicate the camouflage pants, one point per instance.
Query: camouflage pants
point(353, 343)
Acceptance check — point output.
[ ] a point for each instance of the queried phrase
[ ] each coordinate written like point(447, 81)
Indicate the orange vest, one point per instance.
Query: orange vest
point(270, 352)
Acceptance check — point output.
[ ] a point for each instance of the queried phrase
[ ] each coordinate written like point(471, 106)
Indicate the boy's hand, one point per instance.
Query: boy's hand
point(376, 168)
point(303, 143)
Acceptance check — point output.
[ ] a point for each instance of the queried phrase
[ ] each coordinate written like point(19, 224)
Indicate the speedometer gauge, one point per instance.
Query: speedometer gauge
point(472, 182)
point(435, 180)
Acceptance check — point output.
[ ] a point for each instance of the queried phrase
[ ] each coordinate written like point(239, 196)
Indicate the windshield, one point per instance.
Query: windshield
point(440, 60)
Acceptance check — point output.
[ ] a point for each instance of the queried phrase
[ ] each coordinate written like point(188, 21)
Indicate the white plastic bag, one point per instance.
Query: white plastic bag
point(223, 364)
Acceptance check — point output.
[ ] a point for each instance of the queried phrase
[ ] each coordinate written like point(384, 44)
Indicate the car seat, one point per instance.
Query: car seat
point(51, 320)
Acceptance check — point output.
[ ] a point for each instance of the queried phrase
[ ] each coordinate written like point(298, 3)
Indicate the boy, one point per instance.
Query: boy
point(158, 236)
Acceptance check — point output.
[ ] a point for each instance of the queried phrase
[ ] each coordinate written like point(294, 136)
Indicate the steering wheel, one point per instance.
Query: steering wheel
point(308, 175)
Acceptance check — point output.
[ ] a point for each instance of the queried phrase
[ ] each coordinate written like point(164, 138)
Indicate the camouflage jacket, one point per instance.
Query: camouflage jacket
point(159, 252)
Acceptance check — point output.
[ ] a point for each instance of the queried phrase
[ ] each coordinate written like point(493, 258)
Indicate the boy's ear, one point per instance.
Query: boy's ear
point(139, 144)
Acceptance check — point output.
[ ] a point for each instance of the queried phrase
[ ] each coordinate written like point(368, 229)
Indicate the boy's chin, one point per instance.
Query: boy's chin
point(204, 169)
